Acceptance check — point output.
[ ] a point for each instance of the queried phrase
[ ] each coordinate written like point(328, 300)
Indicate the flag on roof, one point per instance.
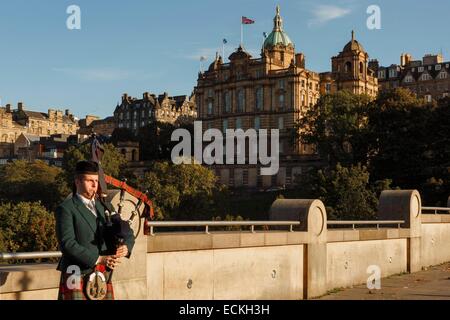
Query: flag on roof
point(246, 20)
point(225, 41)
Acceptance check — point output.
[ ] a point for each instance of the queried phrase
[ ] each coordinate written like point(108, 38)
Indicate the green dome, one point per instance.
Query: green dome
point(277, 36)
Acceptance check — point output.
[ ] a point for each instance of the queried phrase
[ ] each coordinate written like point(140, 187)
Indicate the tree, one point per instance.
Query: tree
point(155, 140)
point(345, 191)
point(26, 227)
point(112, 163)
point(181, 192)
point(37, 181)
point(336, 125)
point(398, 137)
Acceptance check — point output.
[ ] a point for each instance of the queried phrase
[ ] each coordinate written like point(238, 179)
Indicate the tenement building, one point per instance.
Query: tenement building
point(133, 113)
point(428, 78)
point(15, 122)
point(270, 92)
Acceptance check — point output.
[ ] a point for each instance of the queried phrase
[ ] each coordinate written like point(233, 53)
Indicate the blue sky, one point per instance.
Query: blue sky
point(146, 45)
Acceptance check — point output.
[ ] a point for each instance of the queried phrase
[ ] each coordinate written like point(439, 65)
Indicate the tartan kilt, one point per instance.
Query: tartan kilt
point(65, 293)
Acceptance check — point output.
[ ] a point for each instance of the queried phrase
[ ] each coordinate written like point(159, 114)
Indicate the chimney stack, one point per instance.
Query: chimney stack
point(67, 113)
point(8, 108)
point(20, 106)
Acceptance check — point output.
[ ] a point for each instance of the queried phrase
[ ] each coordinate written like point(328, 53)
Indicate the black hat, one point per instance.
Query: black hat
point(86, 167)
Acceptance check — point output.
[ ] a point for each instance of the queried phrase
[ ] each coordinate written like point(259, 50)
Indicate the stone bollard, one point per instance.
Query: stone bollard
point(313, 220)
point(130, 278)
point(405, 205)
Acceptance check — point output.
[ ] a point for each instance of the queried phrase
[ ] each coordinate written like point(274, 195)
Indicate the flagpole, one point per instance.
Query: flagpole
point(242, 34)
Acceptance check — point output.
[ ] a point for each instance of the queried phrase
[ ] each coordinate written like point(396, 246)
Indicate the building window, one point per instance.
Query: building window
point(210, 93)
point(142, 123)
point(428, 98)
point(438, 67)
point(238, 123)
point(327, 89)
point(225, 125)
point(121, 116)
point(227, 101)
point(281, 123)
point(135, 114)
point(210, 107)
point(382, 74)
point(425, 77)
point(281, 84)
point(257, 123)
point(348, 66)
point(240, 100)
point(143, 114)
point(281, 100)
point(420, 69)
point(361, 67)
point(443, 75)
point(392, 73)
point(128, 115)
point(408, 79)
point(303, 83)
point(259, 98)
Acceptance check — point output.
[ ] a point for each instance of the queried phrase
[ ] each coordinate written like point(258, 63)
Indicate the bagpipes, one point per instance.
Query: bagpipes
point(116, 227)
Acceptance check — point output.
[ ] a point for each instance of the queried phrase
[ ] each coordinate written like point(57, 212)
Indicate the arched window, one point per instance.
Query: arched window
point(361, 67)
point(348, 66)
point(133, 155)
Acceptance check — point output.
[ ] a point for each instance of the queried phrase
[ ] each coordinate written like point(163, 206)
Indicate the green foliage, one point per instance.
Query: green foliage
point(335, 125)
point(37, 181)
point(26, 227)
point(155, 140)
point(346, 192)
point(112, 162)
point(181, 192)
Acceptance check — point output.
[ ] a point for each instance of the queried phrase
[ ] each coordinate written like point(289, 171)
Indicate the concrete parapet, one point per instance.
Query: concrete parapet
point(313, 220)
point(405, 205)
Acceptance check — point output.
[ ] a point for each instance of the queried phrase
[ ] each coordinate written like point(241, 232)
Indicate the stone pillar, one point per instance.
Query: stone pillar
point(130, 278)
point(313, 220)
point(405, 205)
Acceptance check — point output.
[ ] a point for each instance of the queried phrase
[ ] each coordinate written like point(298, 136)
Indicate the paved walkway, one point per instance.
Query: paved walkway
point(430, 284)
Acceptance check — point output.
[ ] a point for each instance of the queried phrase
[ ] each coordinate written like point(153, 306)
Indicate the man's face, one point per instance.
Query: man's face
point(87, 185)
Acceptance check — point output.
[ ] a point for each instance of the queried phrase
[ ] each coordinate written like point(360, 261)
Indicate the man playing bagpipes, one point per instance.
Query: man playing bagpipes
point(92, 237)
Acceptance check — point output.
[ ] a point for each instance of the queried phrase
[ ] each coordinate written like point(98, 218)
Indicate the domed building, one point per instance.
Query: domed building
point(272, 91)
point(350, 71)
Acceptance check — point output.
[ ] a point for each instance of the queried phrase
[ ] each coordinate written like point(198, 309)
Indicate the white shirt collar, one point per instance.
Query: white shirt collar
point(90, 204)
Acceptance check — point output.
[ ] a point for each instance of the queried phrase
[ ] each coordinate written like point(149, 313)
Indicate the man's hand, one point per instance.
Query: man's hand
point(122, 251)
point(110, 261)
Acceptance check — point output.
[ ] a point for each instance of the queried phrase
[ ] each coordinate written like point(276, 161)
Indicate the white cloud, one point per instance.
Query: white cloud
point(324, 13)
point(96, 74)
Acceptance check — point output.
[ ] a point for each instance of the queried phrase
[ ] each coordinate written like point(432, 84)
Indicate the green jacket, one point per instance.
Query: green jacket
point(80, 235)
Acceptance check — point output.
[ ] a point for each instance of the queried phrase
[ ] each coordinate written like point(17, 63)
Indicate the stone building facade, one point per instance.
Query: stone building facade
point(135, 113)
point(270, 92)
point(13, 123)
point(428, 78)
point(351, 71)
